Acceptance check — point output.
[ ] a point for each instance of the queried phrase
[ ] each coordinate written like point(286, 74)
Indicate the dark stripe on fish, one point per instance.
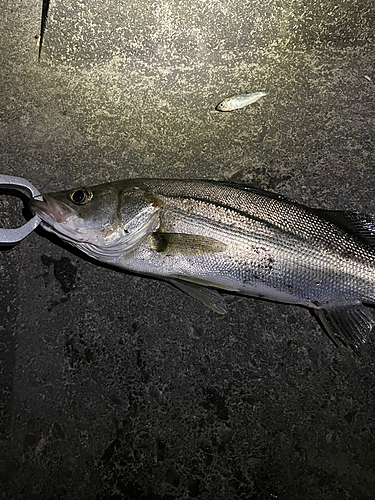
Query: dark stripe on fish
point(237, 212)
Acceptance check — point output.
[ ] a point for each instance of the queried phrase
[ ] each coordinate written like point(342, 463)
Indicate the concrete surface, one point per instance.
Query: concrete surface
point(116, 386)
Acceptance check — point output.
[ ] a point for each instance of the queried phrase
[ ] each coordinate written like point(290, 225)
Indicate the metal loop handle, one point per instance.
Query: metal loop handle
point(11, 236)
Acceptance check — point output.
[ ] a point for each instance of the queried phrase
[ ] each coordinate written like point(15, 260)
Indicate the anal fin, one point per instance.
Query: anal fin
point(350, 323)
point(208, 296)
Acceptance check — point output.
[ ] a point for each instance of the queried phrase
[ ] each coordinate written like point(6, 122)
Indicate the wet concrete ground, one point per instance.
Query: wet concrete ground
point(116, 386)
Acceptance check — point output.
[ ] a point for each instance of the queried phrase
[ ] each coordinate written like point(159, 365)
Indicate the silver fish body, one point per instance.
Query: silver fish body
point(203, 235)
point(239, 101)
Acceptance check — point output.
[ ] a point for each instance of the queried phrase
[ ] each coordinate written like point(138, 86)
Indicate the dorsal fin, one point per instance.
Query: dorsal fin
point(358, 224)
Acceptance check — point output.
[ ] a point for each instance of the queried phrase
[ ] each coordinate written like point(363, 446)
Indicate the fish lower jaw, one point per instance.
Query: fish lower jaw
point(46, 226)
point(52, 229)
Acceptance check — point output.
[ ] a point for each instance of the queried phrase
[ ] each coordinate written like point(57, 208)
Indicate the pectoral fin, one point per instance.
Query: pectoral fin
point(184, 244)
point(208, 296)
point(351, 323)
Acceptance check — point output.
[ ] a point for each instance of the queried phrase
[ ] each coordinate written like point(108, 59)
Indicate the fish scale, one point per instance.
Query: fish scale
point(218, 234)
point(311, 256)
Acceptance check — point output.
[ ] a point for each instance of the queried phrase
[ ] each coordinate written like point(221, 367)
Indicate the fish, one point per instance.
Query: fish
point(204, 236)
point(239, 101)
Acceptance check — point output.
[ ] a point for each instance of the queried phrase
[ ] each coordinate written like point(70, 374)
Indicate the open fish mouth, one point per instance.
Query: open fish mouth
point(54, 217)
point(49, 210)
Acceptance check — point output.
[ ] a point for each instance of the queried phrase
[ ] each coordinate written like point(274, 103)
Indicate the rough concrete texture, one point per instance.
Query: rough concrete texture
point(115, 386)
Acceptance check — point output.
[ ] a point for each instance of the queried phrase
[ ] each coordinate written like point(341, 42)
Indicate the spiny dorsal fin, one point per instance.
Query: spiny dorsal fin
point(185, 244)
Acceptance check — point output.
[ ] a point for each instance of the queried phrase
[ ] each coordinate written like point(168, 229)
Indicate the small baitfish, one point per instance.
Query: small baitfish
point(206, 235)
point(239, 101)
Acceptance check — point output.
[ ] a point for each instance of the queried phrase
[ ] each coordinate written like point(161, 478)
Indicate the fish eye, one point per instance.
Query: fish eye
point(81, 196)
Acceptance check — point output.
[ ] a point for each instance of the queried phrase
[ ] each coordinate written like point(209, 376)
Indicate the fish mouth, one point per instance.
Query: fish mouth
point(50, 210)
point(52, 213)
point(54, 217)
